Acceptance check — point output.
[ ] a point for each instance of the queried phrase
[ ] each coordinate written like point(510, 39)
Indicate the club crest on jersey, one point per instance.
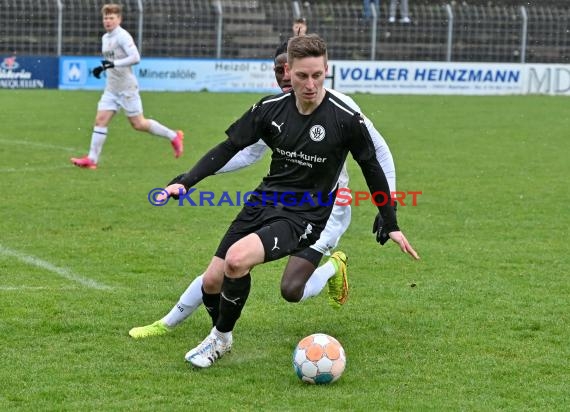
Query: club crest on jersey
point(317, 133)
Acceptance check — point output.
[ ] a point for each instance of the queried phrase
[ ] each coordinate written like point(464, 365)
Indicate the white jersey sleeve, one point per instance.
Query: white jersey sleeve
point(383, 153)
point(343, 177)
point(340, 217)
point(245, 157)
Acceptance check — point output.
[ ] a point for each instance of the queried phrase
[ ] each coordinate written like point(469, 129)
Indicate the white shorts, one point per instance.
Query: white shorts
point(130, 101)
point(338, 222)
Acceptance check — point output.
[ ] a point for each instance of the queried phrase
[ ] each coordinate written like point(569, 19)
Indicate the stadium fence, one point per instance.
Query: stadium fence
point(251, 29)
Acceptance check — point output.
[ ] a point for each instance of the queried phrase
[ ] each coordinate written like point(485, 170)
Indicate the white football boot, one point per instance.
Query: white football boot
point(210, 350)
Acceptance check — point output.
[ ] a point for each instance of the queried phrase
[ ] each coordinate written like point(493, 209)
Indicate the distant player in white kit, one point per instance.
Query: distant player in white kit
point(122, 90)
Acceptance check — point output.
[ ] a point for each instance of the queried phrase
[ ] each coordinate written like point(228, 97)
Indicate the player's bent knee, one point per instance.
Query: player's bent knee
point(212, 283)
point(292, 293)
point(235, 265)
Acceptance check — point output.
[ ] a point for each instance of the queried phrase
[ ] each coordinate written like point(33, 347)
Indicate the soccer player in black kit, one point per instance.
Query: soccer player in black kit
point(310, 133)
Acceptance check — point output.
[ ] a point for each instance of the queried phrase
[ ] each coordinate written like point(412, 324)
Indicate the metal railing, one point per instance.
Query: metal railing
point(254, 28)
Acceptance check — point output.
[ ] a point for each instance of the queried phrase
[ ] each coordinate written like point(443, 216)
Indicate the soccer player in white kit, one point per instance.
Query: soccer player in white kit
point(121, 90)
point(333, 272)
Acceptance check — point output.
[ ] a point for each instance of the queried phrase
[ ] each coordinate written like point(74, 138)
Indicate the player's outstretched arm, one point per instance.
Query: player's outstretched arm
point(207, 165)
point(245, 157)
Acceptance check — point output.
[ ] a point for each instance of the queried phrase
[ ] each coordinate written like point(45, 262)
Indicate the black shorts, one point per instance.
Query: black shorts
point(282, 231)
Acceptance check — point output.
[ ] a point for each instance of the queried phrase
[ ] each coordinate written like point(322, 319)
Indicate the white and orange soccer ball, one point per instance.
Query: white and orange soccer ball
point(319, 359)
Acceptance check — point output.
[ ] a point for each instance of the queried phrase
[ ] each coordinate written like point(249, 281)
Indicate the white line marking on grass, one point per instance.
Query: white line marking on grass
point(33, 169)
point(35, 144)
point(33, 288)
point(64, 273)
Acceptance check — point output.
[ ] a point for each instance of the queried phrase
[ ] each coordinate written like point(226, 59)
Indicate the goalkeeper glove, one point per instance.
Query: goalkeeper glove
point(105, 64)
point(378, 228)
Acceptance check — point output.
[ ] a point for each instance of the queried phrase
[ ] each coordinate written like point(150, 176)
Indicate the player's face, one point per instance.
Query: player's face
point(282, 76)
point(111, 22)
point(299, 29)
point(308, 78)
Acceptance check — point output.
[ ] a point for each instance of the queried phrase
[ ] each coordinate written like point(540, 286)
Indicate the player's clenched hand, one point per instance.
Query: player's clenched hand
point(405, 246)
point(382, 236)
point(97, 71)
point(105, 64)
point(174, 190)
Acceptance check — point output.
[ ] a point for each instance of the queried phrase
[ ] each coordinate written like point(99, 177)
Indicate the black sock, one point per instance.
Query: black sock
point(234, 295)
point(212, 305)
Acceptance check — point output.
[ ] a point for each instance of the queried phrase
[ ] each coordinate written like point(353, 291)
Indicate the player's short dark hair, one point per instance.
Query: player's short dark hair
point(311, 45)
point(301, 20)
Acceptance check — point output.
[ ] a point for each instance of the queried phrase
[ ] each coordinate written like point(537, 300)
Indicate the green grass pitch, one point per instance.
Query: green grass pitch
point(479, 324)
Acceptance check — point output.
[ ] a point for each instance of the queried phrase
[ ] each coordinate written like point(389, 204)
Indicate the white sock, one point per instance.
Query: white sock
point(225, 336)
point(318, 280)
point(97, 140)
point(189, 301)
point(158, 129)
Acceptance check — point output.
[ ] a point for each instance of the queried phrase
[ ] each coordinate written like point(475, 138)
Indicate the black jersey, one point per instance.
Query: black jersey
point(308, 150)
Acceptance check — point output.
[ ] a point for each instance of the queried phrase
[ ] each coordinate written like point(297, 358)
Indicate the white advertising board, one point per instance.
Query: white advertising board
point(376, 77)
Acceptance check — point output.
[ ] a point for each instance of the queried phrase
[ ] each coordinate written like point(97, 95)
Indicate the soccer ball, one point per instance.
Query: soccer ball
point(319, 359)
